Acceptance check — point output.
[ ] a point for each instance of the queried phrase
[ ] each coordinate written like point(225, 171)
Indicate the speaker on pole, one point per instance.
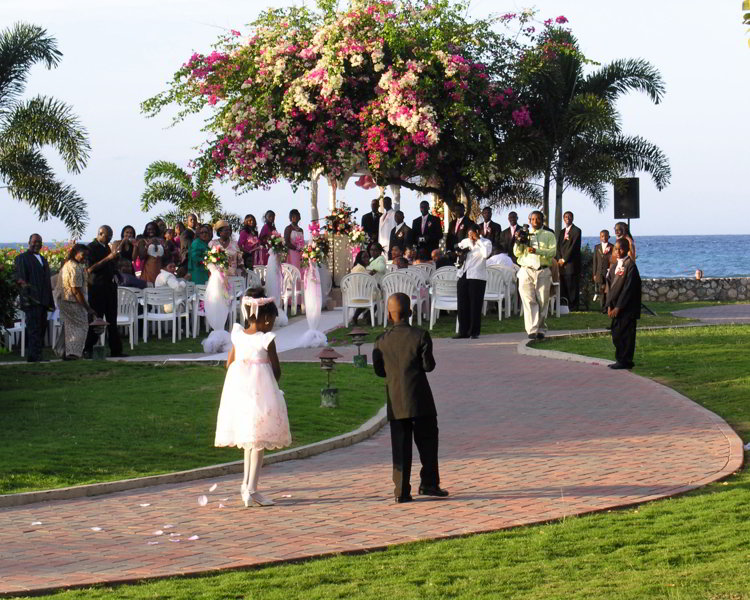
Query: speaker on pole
point(627, 198)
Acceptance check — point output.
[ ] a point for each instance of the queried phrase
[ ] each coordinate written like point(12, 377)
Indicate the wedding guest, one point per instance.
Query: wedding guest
point(534, 278)
point(371, 221)
point(440, 259)
point(425, 230)
point(502, 260)
point(622, 231)
point(186, 239)
point(179, 229)
point(168, 279)
point(400, 234)
point(151, 252)
point(377, 260)
point(103, 290)
point(197, 270)
point(401, 263)
point(569, 260)
point(33, 276)
point(192, 222)
point(386, 224)
point(396, 253)
point(169, 235)
point(491, 231)
point(457, 230)
point(472, 281)
point(249, 242)
point(269, 226)
point(360, 262)
point(294, 238)
point(508, 237)
point(623, 304)
point(74, 309)
point(602, 254)
point(423, 257)
point(234, 254)
point(410, 254)
point(162, 226)
point(403, 355)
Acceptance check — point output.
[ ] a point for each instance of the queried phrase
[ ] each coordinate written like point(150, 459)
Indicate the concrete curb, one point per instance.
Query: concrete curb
point(364, 431)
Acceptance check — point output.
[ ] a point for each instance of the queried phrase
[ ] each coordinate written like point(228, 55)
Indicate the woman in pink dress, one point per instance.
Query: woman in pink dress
point(294, 238)
point(234, 254)
point(249, 242)
point(268, 227)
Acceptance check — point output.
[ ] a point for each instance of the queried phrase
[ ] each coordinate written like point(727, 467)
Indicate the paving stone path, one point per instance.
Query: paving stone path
point(522, 440)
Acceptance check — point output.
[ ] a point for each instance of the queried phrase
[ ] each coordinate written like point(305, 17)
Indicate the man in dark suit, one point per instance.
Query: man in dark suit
point(457, 231)
point(491, 231)
point(425, 230)
point(403, 355)
point(400, 234)
point(371, 221)
point(602, 260)
point(508, 237)
point(103, 290)
point(623, 304)
point(33, 276)
point(569, 260)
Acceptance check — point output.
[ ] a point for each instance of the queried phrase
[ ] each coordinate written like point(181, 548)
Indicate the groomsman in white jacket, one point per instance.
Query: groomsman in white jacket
point(386, 224)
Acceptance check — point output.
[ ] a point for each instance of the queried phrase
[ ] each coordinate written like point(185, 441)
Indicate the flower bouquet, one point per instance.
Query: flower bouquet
point(313, 253)
point(357, 235)
point(318, 237)
point(217, 257)
point(339, 221)
point(275, 243)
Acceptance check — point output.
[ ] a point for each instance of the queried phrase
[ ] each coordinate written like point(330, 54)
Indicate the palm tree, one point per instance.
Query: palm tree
point(27, 126)
point(168, 182)
point(582, 144)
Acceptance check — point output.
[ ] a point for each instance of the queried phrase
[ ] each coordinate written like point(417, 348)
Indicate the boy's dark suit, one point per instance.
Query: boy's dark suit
point(493, 232)
point(570, 273)
point(601, 268)
point(400, 238)
point(454, 237)
point(403, 355)
point(624, 292)
point(36, 299)
point(371, 225)
point(432, 234)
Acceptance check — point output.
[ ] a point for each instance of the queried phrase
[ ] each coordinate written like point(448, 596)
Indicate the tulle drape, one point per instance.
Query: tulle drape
point(313, 337)
point(216, 307)
point(274, 283)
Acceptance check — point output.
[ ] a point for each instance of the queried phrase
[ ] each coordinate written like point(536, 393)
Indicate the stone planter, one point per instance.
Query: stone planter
point(329, 398)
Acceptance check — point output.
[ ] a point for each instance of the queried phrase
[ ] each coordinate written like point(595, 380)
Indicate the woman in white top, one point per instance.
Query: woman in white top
point(472, 280)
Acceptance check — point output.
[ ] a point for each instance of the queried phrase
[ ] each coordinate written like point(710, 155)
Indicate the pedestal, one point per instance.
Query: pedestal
point(339, 257)
point(329, 398)
point(360, 360)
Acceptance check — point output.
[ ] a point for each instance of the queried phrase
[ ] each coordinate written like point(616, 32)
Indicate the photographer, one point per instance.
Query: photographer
point(472, 280)
point(535, 251)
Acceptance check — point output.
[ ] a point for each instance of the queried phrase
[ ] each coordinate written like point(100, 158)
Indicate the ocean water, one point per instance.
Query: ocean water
point(675, 255)
point(682, 255)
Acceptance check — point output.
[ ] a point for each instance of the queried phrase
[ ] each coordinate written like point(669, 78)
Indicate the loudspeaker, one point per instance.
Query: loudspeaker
point(627, 198)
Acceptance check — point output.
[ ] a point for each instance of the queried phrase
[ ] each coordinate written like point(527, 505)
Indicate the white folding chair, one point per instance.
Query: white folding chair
point(554, 299)
point(291, 288)
point(260, 271)
point(428, 268)
point(390, 267)
point(237, 287)
point(495, 291)
point(53, 326)
point(19, 328)
point(359, 290)
point(127, 313)
point(253, 280)
point(404, 282)
point(443, 293)
point(154, 300)
point(199, 297)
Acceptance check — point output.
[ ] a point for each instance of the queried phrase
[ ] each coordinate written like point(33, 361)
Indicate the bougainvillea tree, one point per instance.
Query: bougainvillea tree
point(414, 92)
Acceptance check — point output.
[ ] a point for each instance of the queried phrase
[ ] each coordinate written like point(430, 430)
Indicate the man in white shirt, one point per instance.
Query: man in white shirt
point(386, 224)
point(166, 278)
point(472, 281)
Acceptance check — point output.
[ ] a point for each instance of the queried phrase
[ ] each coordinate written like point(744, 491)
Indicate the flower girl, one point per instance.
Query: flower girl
point(252, 414)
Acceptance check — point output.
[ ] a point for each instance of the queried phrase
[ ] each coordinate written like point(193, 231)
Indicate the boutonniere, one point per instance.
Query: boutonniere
point(620, 271)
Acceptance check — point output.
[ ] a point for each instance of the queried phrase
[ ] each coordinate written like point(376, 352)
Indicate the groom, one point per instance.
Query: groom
point(403, 355)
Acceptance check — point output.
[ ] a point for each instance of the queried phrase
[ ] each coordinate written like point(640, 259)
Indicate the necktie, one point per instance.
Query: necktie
point(424, 222)
point(458, 224)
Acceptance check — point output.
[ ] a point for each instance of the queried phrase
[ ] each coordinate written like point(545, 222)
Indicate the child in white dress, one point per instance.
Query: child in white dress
point(252, 414)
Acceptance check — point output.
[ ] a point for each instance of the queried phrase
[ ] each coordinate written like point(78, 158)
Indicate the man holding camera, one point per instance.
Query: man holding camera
point(425, 230)
point(535, 251)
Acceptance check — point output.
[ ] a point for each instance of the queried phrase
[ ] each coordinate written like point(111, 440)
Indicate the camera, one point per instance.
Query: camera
point(522, 236)
point(461, 256)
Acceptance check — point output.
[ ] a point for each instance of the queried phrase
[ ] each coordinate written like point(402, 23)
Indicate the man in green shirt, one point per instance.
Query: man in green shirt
point(196, 268)
point(534, 276)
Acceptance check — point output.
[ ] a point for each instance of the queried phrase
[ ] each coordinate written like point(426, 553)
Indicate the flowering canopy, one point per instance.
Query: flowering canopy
point(412, 91)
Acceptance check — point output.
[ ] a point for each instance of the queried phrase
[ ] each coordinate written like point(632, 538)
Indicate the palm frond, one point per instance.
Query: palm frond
point(624, 75)
point(164, 169)
point(44, 121)
point(634, 153)
point(513, 193)
point(589, 113)
point(30, 179)
point(163, 191)
point(21, 46)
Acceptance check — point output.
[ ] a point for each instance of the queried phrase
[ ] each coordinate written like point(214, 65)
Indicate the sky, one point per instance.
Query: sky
point(117, 53)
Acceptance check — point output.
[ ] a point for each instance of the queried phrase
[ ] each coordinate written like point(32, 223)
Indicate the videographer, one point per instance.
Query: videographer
point(535, 251)
point(472, 281)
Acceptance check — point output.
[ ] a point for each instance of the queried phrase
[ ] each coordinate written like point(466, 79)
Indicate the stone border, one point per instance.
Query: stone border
point(364, 431)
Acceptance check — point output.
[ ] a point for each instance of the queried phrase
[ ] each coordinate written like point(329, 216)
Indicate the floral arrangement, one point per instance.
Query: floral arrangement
point(437, 211)
point(319, 237)
point(370, 85)
point(357, 235)
point(8, 289)
point(55, 255)
point(217, 257)
point(275, 243)
point(340, 220)
point(313, 253)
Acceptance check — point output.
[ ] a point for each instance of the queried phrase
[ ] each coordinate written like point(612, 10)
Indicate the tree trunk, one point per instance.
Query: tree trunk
point(545, 195)
point(559, 187)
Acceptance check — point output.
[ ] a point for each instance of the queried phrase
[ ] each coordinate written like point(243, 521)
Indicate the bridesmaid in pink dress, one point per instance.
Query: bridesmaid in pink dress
point(294, 238)
point(249, 242)
point(268, 227)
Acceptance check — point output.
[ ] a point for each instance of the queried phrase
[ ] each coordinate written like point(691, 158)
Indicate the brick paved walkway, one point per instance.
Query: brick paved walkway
point(511, 454)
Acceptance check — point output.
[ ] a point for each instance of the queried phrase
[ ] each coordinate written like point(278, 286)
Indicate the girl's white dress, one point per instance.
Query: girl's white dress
point(252, 413)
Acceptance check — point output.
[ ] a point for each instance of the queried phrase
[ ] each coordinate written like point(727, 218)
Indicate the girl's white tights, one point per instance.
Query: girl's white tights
point(253, 463)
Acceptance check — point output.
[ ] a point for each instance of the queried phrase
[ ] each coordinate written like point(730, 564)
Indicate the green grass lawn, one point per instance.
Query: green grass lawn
point(693, 547)
point(446, 324)
point(83, 422)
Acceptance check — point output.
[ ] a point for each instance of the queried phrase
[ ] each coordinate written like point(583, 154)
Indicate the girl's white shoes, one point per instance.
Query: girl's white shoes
point(250, 498)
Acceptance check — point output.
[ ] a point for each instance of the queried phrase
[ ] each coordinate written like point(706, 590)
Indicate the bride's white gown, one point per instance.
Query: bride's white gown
point(252, 413)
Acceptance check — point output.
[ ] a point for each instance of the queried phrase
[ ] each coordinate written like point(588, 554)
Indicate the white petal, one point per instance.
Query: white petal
point(192, 538)
point(96, 529)
point(168, 526)
point(202, 500)
point(36, 522)
point(221, 505)
point(213, 487)
point(152, 543)
point(174, 539)
point(287, 496)
point(144, 505)
point(158, 532)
